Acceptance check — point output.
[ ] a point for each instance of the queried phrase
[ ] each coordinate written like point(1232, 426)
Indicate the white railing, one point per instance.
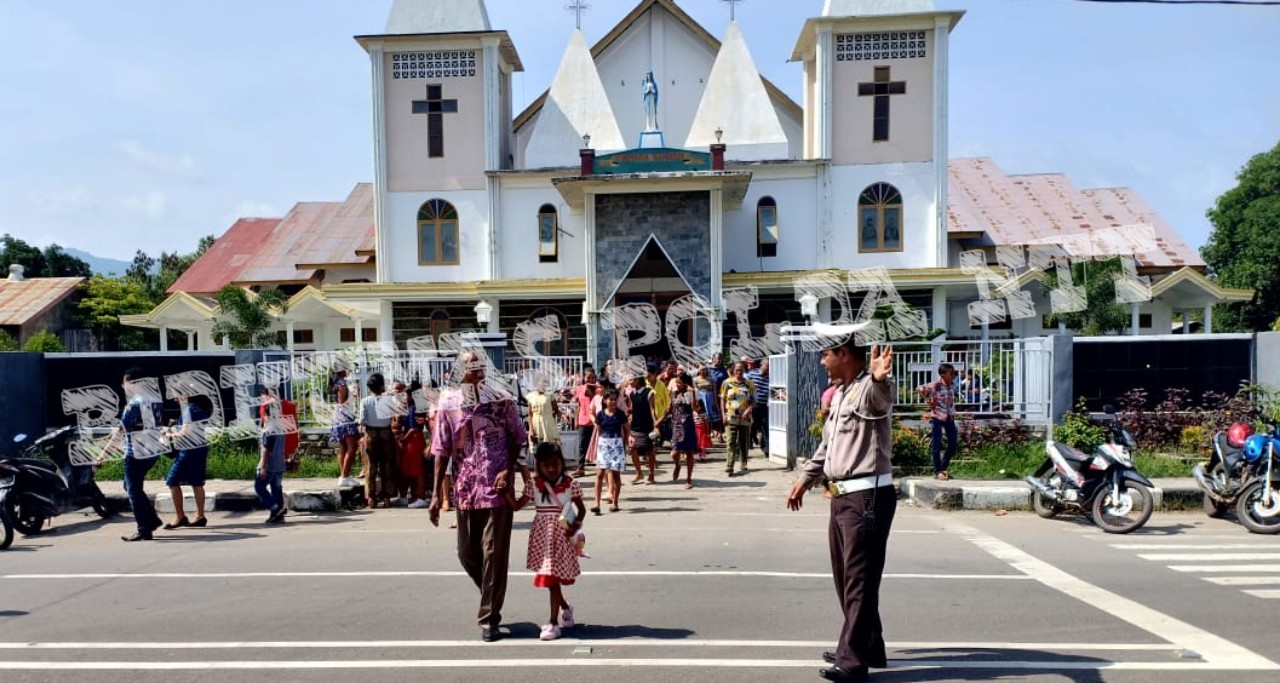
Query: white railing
point(1011, 378)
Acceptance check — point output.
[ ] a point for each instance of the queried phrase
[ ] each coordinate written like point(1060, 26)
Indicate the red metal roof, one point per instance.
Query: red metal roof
point(223, 262)
point(348, 229)
point(1029, 209)
point(25, 300)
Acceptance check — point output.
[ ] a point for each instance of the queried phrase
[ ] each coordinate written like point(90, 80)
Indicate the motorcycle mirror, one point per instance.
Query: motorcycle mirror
point(19, 438)
point(1109, 409)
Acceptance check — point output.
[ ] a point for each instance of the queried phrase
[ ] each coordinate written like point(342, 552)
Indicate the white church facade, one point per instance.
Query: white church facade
point(660, 164)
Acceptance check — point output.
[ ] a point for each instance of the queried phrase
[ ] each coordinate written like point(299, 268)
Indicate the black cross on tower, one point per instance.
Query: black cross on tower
point(435, 107)
point(881, 89)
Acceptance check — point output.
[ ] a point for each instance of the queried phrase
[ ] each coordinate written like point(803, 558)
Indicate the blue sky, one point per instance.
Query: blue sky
point(148, 123)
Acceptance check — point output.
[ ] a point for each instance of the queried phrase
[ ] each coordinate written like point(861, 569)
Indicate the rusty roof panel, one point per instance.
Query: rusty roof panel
point(345, 230)
point(275, 260)
point(25, 300)
point(1028, 209)
point(223, 262)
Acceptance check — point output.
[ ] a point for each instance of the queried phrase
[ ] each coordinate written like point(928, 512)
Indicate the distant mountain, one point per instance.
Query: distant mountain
point(101, 266)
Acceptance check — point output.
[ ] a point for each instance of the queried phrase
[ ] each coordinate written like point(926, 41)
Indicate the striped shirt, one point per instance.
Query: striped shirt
point(761, 382)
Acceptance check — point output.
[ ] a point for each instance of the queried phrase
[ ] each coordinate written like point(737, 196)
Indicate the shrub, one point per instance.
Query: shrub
point(1078, 431)
point(7, 342)
point(974, 435)
point(1193, 438)
point(910, 449)
point(44, 342)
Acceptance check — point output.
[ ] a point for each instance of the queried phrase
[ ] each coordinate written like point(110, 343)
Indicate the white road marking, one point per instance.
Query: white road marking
point(621, 642)
point(1210, 557)
point(1175, 546)
point(1227, 568)
point(1244, 580)
point(1215, 649)
point(902, 665)
point(460, 574)
point(1267, 594)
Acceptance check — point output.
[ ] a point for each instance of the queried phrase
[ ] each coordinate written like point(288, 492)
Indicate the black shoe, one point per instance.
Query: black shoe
point(200, 522)
point(490, 634)
point(275, 517)
point(135, 537)
point(829, 656)
point(835, 673)
point(182, 521)
point(156, 525)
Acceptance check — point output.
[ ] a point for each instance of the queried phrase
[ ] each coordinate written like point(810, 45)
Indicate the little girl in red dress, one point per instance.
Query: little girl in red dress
point(702, 428)
point(553, 553)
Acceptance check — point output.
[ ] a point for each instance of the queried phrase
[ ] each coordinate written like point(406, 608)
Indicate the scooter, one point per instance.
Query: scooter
point(1104, 485)
point(43, 483)
point(1226, 474)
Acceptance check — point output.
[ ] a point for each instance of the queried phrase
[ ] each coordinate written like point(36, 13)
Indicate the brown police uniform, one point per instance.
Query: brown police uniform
point(857, 443)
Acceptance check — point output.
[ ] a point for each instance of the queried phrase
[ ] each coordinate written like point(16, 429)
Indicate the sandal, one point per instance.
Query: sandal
point(688, 485)
point(596, 511)
point(614, 508)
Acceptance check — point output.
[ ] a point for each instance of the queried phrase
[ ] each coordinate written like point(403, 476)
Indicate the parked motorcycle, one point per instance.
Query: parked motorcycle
point(43, 483)
point(1104, 485)
point(1225, 475)
point(8, 475)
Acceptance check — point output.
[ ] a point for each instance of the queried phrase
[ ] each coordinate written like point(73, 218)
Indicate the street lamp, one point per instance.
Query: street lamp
point(484, 312)
point(809, 307)
point(586, 141)
point(719, 134)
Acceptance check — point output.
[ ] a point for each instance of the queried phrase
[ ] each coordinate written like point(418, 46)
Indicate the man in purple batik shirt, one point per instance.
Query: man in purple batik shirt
point(483, 435)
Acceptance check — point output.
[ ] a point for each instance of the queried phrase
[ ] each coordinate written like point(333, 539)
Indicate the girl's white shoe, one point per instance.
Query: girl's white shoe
point(566, 617)
point(550, 632)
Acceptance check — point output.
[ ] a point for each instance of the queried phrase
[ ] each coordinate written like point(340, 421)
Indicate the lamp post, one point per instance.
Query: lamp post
point(484, 313)
point(809, 307)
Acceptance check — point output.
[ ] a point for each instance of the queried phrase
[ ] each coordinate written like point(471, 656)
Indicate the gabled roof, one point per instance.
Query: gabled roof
point(576, 105)
point(1047, 208)
point(413, 17)
point(338, 241)
point(227, 258)
point(24, 300)
point(868, 8)
point(645, 5)
point(736, 104)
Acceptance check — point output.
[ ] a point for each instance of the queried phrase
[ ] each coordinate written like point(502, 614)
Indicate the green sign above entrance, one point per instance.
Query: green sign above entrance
point(656, 160)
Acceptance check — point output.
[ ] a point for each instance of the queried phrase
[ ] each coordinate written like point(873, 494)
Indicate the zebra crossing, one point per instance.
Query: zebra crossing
point(1251, 564)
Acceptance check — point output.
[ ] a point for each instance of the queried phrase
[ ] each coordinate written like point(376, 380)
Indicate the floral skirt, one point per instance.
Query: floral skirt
point(611, 454)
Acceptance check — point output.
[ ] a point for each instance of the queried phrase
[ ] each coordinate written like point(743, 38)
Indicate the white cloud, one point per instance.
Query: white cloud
point(251, 209)
point(153, 206)
point(182, 167)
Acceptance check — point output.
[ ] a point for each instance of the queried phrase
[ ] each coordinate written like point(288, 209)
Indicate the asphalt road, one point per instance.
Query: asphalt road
point(716, 584)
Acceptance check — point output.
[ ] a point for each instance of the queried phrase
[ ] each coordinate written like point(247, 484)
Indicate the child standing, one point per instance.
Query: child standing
point(942, 413)
point(552, 556)
point(702, 428)
point(612, 434)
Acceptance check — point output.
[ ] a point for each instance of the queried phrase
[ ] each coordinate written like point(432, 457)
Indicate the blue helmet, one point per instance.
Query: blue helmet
point(1255, 447)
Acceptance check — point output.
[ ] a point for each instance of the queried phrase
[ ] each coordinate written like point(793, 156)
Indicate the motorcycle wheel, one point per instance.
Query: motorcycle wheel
point(102, 505)
point(26, 524)
point(7, 538)
point(1125, 515)
point(1044, 507)
point(1249, 508)
point(1212, 507)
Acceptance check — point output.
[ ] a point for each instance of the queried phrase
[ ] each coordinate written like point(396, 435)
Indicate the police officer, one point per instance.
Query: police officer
point(853, 460)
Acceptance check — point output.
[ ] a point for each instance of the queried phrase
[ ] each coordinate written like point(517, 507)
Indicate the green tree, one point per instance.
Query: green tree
point(7, 342)
point(1244, 248)
point(18, 251)
point(44, 342)
point(108, 298)
point(1101, 314)
point(246, 318)
point(58, 263)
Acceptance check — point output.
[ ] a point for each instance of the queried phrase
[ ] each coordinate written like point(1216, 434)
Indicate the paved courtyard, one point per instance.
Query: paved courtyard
point(715, 584)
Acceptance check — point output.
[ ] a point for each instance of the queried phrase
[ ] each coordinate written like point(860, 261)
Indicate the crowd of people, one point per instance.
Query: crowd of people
point(686, 414)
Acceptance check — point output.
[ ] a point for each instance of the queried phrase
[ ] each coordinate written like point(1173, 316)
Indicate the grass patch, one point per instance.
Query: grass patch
point(229, 460)
point(1016, 462)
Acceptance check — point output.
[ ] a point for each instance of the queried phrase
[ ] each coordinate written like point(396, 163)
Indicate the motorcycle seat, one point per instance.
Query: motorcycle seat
point(1072, 454)
point(1224, 447)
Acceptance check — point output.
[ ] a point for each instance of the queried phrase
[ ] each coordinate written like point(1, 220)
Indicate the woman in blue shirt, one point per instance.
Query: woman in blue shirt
point(189, 468)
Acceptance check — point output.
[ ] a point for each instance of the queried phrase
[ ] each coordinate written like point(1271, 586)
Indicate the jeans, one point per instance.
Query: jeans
point(144, 513)
point(760, 426)
point(273, 499)
point(941, 463)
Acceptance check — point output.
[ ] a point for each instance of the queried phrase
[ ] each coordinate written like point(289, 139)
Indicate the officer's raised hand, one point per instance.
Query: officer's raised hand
point(881, 365)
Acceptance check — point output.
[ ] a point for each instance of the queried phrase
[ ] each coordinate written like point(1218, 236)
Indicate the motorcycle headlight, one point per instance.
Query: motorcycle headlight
point(6, 480)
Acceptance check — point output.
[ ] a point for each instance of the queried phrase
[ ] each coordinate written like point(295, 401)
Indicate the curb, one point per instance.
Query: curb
point(933, 495)
point(331, 500)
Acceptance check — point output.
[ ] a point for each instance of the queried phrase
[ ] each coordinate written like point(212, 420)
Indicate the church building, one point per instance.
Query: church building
point(659, 164)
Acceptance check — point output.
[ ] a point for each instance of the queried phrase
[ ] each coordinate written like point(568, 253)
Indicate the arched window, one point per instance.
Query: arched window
point(548, 234)
point(558, 347)
point(439, 325)
point(766, 227)
point(880, 219)
point(437, 234)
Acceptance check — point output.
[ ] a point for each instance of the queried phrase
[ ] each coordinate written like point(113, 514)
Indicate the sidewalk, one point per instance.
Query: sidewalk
point(324, 495)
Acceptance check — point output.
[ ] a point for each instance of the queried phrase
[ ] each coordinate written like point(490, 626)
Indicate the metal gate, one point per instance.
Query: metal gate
point(779, 380)
point(1007, 378)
